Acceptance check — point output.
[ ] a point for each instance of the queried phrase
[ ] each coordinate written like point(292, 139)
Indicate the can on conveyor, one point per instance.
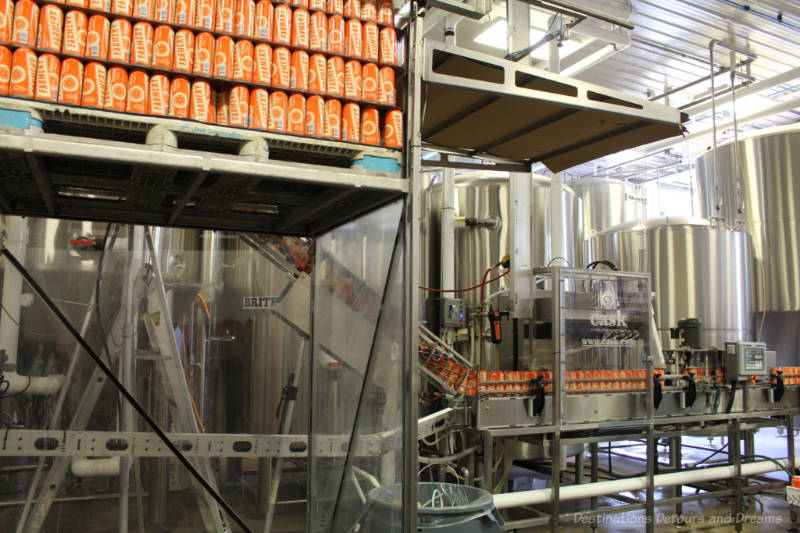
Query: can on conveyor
point(370, 129)
point(315, 115)
point(203, 55)
point(296, 114)
point(282, 25)
point(6, 20)
point(244, 18)
point(262, 64)
point(97, 38)
point(200, 106)
point(335, 81)
point(26, 22)
point(183, 59)
point(142, 44)
point(243, 61)
point(317, 74)
point(393, 129)
point(281, 67)
point(336, 34)
point(238, 107)
point(353, 35)
point(223, 57)
point(318, 31)
point(298, 72)
point(51, 26)
point(262, 29)
point(184, 12)
point(224, 16)
point(300, 23)
point(370, 79)
point(5, 69)
point(351, 122)
point(352, 80)
point(333, 119)
point(278, 103)
point(158, 98)
point(371, 41)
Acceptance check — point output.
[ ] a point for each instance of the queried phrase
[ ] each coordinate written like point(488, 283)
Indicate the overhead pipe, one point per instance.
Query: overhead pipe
point(510, 500)
point(16, 235)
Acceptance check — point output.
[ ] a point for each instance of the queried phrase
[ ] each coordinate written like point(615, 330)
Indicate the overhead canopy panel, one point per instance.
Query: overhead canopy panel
point(480, 104)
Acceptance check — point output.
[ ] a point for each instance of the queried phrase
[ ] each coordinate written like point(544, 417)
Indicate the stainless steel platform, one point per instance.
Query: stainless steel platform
point(481, 105)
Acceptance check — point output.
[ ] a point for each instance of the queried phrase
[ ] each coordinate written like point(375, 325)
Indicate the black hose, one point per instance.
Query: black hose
point(605, 262)
point(98, 279)
point(731, 398)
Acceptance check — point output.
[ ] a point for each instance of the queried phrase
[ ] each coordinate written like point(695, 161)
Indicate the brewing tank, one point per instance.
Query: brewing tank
point(698, 270)
point(606, 203)
point(478, 248)
point(757, 189)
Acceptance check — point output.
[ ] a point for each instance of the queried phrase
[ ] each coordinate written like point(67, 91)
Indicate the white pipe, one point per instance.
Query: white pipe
point(95, 467)
point(602, 488)
point(448, 276)
point(16, 235)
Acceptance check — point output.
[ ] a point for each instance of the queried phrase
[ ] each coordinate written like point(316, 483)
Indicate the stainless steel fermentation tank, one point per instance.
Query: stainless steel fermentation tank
point(698, 270)
point(486, 196)
point(606, 203)
point(757, 188)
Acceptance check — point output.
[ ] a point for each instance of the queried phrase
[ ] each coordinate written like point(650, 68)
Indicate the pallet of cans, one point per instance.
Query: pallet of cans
point(322, 68)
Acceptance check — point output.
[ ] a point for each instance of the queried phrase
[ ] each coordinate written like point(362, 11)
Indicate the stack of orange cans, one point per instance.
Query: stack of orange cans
point(322, 68)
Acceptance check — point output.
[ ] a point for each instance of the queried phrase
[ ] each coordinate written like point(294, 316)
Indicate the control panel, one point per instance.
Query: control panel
point(452, 315)
point(745, 359)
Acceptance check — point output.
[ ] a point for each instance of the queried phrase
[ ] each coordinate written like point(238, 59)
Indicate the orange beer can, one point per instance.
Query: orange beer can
point(204, 16)
point(142, 45)
point(137, 92)
point(200, 103)
point(336, 35)
point(6, 20)
point(179, 93)
point(76, 3)
point(282, 25)
point(122, 7)
point(184, 12)
point(318, 31)
point(351, 120)
point(258, 114)
point(393, 129)
point(222, 102)
point(333, 118)
point(183, 59)
point(143, 9)
point(119, 44)
point(203, 55)
point(353, 33)
point(388, 46)
point(317, 74)
point(239, 105)
point(243, 61)
point(335, 7)
point(281, 67)
point(315, 115)
point(296, 115)
point(163, 39)
point(23, 73)
point(369, 10)
point(352, 80)
point(100, 5)
point(74, 41)
point(94, 85)
point(26, 22)
point(47, 73)
point(298, 72)
point(5, 69)
point(300, 22)
point(223, 57)
point(370, 79)
point(278, 104)
point(51, 24)
point(224, 16)
point(386, 89)
point(163, 11)
point(352, 8)
point(158, 99)
point(335, 76)
point(244, 17)
point(116, 89)
point(97, 37)
point(69, 91)
point(316, 5)
point(299, 3)
point(385, 12)
point(262, 64)
point(262, 29)
point(371, 40)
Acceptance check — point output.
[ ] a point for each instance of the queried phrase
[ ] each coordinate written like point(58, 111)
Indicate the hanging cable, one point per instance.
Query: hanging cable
point(478, 286)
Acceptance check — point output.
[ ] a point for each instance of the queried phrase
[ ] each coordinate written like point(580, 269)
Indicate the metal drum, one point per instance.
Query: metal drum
point(698, 270)
point(762, 195)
